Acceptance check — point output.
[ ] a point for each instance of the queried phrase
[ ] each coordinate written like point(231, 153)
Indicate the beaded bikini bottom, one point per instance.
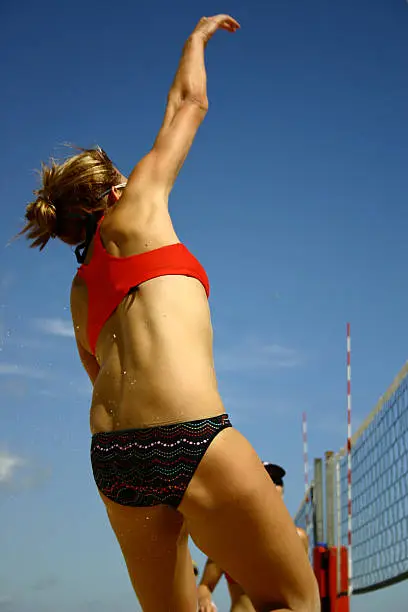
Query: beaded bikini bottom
point(152, 466)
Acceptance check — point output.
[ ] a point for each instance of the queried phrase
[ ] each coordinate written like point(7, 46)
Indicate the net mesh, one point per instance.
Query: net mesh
point(379, 496)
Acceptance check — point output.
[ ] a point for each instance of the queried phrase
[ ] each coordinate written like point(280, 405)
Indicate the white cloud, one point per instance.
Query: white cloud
point(13, 369)
point(55, 327)
point(252, 354)
point(18, 473)
point(8, 465)
point(6, 603)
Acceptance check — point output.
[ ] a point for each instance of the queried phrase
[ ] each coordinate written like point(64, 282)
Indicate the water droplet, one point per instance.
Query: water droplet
point(113, 336)
point(124, 372)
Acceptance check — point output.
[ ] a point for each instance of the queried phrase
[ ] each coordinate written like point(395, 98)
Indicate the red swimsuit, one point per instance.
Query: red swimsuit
point(109, 279)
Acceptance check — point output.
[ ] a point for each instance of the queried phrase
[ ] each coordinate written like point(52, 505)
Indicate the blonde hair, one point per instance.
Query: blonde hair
point(69, 192)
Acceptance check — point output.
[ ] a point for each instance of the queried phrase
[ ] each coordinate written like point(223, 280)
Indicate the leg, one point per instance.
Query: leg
point(236, 517)
point(242, 605)
point(154, 544)
point(240, 602)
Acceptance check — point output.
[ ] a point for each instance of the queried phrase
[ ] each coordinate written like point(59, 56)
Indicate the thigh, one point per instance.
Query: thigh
point(242, 604)
point(154, 543)
point(237, 518)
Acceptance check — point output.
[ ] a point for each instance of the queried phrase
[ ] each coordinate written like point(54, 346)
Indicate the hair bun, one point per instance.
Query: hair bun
point(42, 219)
point(43, 213)
point(72, 188)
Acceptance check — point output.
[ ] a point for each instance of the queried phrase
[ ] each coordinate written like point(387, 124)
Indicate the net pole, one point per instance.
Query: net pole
point(338, 509)
point(349, 505)
point(306, 469)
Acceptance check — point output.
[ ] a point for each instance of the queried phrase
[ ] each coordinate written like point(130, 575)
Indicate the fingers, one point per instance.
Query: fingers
point(206, 606)
point(207, 26)
point(225, 22)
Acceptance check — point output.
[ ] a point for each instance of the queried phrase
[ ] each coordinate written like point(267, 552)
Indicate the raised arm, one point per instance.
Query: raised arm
point(186, 108)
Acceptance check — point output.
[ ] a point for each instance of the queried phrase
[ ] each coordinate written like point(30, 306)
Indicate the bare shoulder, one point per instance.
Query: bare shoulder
point(143, 199)
point(138, 222)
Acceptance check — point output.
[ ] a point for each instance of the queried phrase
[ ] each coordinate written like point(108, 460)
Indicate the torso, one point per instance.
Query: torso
point(155, 351)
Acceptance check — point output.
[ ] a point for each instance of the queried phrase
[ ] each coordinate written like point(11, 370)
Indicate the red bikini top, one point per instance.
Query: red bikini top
point(109, 279)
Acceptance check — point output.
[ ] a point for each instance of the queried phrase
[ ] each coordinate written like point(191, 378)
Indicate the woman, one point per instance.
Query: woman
point(240, 602)
point(165, 458)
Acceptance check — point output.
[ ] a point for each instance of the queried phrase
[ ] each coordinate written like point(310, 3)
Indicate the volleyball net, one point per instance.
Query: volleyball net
point(378, 554)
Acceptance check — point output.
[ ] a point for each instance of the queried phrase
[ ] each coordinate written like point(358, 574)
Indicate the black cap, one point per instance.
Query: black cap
point(276, 472)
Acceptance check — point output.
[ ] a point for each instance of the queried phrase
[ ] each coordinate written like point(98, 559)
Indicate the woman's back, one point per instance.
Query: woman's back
point(155, 350)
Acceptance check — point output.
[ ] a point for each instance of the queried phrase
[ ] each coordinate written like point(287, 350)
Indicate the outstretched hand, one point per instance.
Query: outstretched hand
point(207, 606)
point(207, 26)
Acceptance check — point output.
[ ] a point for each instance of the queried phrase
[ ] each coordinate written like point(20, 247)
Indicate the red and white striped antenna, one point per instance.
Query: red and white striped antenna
point(306, 468)
point(349, 506)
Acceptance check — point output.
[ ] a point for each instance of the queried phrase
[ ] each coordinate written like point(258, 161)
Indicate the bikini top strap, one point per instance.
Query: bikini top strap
point(91, 226)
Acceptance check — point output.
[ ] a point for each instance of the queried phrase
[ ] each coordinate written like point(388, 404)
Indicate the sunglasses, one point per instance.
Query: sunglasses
point(105, 193)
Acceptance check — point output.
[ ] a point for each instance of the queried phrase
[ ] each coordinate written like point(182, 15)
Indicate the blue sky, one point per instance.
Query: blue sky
point(294, 199)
